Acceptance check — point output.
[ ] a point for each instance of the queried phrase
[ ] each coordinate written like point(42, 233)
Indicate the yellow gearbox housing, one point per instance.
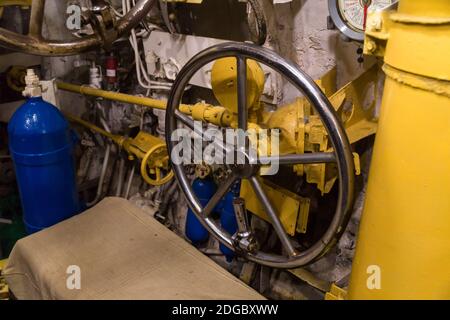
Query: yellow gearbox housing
point(224, 83)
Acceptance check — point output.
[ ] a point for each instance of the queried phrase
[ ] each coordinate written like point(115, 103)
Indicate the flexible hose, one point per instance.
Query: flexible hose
point(104, 167)
point(130, 181)
point(102, 177)
point(120, 181)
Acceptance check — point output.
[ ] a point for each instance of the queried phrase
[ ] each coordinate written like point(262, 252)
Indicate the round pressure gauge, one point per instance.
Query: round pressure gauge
point(349, 16)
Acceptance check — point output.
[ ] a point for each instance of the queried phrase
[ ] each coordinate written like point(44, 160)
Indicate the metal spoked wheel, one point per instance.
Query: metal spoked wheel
point(257, 22)
point(342, 155)
point(34, 42)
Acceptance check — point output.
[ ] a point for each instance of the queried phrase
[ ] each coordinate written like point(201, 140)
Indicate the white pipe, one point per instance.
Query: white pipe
point(104, 166)
point(102, 177)
point(130, 181)
point(5, 221)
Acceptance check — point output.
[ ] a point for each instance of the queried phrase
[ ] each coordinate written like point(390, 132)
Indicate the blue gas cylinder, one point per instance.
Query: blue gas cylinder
point(228, 218)
point(41, 144)
point(204, 189)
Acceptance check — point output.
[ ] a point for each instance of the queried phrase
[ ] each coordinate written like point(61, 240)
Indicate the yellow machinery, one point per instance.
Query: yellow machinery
point(5, 3)
point(301, 130)
point(403, 247)
point(4, 292)
point(150, 150)
point(403, 243)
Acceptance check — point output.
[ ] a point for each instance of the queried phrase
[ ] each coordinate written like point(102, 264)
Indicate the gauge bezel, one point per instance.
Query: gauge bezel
point(342, 24)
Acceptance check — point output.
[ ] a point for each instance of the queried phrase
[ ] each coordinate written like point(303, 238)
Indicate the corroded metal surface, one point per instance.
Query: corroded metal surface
point(34, 43)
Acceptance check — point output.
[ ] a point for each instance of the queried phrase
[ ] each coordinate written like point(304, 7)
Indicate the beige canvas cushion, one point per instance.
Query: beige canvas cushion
point(122, 254)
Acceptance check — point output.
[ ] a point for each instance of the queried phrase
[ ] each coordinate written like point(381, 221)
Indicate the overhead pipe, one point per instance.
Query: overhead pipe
point(200, 111)
point(114, 96)
point(115, 138)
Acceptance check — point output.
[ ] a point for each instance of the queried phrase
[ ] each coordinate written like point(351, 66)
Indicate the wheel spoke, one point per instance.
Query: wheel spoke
point(158, 174)
point(185, 119)
point(189, 122)
point(338, 141)
point(279, 229)
point(304, 158)
point(220, 193)
point(242, 92)
point(36, 18)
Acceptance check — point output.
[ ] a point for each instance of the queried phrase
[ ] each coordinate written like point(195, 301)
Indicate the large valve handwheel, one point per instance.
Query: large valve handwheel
point(154, 161)
point(34, 42)
point(291, 257)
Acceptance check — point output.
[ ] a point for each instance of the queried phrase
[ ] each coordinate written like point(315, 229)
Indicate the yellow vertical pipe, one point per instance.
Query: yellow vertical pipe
point(403, 247)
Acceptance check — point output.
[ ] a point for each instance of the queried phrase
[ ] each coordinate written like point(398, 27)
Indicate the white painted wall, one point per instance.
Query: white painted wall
point(298, 31)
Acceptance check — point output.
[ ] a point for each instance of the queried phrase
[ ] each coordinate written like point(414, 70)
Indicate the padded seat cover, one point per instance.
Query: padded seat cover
point(122, 253)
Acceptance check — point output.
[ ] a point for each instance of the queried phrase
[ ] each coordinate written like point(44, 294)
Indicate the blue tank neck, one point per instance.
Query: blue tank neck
point(35, 98)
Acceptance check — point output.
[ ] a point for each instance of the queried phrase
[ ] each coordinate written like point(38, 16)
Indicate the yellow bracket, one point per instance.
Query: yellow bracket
point(377, 33)
point(336, 293)
point(356, 103)
point(292, 209)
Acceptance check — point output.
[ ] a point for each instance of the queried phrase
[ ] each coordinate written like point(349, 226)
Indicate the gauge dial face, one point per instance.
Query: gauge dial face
point(354, 12)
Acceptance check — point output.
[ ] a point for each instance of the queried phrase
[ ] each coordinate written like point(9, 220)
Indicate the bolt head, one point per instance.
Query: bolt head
point(371, 46)
point(376, 23)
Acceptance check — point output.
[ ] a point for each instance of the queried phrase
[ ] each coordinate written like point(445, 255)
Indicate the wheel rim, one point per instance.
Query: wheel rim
point(336, 133)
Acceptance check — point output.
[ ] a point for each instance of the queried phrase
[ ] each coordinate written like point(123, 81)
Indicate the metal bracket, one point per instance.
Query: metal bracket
point(377, 31)
point(243, 238)
point(103, 22)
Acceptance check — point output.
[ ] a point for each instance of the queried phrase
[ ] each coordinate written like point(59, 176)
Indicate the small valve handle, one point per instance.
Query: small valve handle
point(156, 167)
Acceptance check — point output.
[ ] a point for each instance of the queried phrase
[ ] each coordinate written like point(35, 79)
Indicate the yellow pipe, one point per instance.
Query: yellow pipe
point(119, 140)
point(403, 246)
point(6, 3)
point(23, 3)
point(115, 96)
point(149, 149)
point(200, 111)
